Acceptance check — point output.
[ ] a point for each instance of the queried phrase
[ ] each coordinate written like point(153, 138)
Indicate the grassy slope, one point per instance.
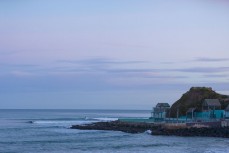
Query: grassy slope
point(194, 98)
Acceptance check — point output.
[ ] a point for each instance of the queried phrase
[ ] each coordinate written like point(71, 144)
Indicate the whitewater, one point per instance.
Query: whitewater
point(48, 131)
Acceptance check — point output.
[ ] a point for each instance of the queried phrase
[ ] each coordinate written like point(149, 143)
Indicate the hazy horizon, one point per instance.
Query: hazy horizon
point(130, 54)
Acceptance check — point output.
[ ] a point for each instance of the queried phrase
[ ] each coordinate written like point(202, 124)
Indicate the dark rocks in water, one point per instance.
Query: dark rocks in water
point(202, 132)
point(117, 126)
point(156, 129)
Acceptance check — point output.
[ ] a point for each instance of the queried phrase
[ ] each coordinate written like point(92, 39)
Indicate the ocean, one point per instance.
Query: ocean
point(47, 131)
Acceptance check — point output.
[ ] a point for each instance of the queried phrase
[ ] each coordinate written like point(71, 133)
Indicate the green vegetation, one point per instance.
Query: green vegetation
point(194, 98)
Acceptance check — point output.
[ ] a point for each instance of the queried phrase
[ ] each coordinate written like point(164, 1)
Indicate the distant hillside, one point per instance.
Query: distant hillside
point(194, 98)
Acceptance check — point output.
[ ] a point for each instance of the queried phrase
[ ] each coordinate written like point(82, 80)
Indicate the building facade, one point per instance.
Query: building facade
point(211, 108)
point(159, 112)
point(227, 112)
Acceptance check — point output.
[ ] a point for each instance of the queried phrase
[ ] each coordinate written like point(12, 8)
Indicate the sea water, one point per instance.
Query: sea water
point(47, 131)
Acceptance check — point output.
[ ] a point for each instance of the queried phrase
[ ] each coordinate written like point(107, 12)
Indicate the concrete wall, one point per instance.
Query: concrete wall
point(204, 124)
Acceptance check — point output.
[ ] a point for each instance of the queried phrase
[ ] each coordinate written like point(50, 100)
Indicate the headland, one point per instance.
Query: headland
point(199, 112)
point(157, 129)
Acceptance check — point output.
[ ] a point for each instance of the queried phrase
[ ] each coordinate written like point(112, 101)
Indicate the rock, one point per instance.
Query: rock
point(154, 129)
point(194, 98)
point(116, 126)
point(203, 132)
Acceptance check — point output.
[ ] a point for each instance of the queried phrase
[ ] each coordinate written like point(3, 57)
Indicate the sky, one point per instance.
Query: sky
point(87, 54)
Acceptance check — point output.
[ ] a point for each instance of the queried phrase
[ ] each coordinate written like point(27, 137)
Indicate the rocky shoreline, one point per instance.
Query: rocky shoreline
point(156, 129)
point(117, 126)
point(191, 132)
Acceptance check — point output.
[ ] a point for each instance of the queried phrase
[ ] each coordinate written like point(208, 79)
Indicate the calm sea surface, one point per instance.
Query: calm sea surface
point(49, 132)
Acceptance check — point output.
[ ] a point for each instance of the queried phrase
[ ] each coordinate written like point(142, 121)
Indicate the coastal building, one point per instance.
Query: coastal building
point(211, 104)
point(160, 111)
point(227, 112)
point(211, 108)
point(209, 115)
point(191, 113)
point(209, 112)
